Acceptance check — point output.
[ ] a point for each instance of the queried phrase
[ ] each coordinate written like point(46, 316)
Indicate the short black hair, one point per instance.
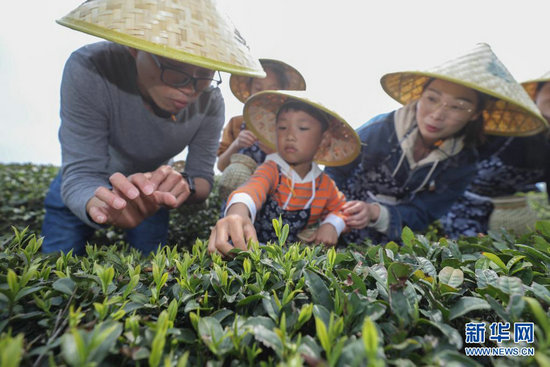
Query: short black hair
point(314, 112)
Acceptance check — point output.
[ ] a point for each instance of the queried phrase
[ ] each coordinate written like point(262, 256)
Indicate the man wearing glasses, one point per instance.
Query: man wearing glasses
point(128, 107)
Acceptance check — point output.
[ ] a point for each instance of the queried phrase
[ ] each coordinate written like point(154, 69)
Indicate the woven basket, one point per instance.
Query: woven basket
point(512, 213)
point(236, 173)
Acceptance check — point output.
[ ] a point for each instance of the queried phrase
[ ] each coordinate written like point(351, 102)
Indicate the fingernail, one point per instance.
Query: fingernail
point(101, 219)
point(148, 190)
point(118, 203)
point(133, 193)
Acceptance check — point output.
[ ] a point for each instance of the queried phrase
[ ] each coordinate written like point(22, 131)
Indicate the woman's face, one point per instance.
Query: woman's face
point(543, 100)
point(270, 82)
point(444, 108)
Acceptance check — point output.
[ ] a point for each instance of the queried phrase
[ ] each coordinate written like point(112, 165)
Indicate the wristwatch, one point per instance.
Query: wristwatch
point(190, 181)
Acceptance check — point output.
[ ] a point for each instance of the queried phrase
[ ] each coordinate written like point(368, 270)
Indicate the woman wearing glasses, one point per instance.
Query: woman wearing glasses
point(507, 165)
point(128, 107)
point(416, 161)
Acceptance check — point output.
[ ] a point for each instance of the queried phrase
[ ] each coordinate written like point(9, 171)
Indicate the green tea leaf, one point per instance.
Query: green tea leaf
point(495, 259)
point(467, 304)
point(407, 235)
point(510, 285)
point(398, 273)
point(268, 338)
point(319, 291)
point(485, 277)
point(450, 276)
point(64, 285)
point(322, 334)
point(13, 284)
point(370, 338)
point(11, 350)
point(543, 226)
point(540, 316)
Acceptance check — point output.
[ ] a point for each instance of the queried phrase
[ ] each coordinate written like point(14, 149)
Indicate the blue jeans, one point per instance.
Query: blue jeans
point(63, 231)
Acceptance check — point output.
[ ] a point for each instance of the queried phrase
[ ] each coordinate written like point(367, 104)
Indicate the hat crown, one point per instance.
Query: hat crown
point(191, 31)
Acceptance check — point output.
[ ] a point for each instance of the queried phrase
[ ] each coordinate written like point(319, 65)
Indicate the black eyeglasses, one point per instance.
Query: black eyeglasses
point(179, 79)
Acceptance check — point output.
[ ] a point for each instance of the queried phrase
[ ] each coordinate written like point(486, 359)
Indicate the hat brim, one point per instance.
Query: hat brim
point(240, 85)
point(504, 116)
point(530, 86)
point(260, 111)
point(157, 49)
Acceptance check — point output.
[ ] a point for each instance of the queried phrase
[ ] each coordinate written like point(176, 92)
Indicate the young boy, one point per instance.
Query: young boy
point(289, 184)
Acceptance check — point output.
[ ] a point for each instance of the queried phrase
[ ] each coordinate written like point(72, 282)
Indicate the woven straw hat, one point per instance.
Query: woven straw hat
point(191, 31)
point(260, 112)
point(531, 85)
point(512, 113)
point(240, 85)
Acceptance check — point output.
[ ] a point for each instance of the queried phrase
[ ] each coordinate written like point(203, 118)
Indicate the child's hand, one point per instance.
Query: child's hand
point(325, 234)
point(235, 227)
point(360, 214)
point(245, 139)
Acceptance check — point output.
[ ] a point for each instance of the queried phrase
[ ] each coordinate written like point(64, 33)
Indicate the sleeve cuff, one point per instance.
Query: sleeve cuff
point(246, 199)
point(336, 221)
point(383, 221)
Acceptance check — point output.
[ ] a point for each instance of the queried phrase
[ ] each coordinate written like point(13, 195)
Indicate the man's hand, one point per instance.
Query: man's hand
point(170, 188)
point(125, 205)
point(360, 214)
point(136, 197)
point(236, 226)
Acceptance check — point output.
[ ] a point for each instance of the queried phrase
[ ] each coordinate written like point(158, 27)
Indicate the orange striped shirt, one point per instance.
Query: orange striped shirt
point(267, 181)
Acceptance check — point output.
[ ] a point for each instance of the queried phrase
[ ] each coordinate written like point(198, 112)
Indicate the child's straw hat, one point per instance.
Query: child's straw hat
point(511, 113)
point(531, 85)
point(240, 85)
point(260, 111)
point(191, 31)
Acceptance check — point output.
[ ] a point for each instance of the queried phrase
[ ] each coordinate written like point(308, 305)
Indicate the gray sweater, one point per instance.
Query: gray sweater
point(106, 128)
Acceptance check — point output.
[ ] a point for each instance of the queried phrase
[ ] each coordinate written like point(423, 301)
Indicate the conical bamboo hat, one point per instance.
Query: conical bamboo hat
point(192, 31)
point(511, 112)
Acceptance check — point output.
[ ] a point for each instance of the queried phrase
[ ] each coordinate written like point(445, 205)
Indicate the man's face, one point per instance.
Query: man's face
point(174, 91)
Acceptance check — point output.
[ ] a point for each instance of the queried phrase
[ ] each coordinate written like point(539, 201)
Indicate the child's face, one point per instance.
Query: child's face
point(270, 82)
point(299, 135)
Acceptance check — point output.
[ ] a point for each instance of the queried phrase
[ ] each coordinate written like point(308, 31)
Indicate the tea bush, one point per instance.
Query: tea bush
point(280, 304)
point(274, 304)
